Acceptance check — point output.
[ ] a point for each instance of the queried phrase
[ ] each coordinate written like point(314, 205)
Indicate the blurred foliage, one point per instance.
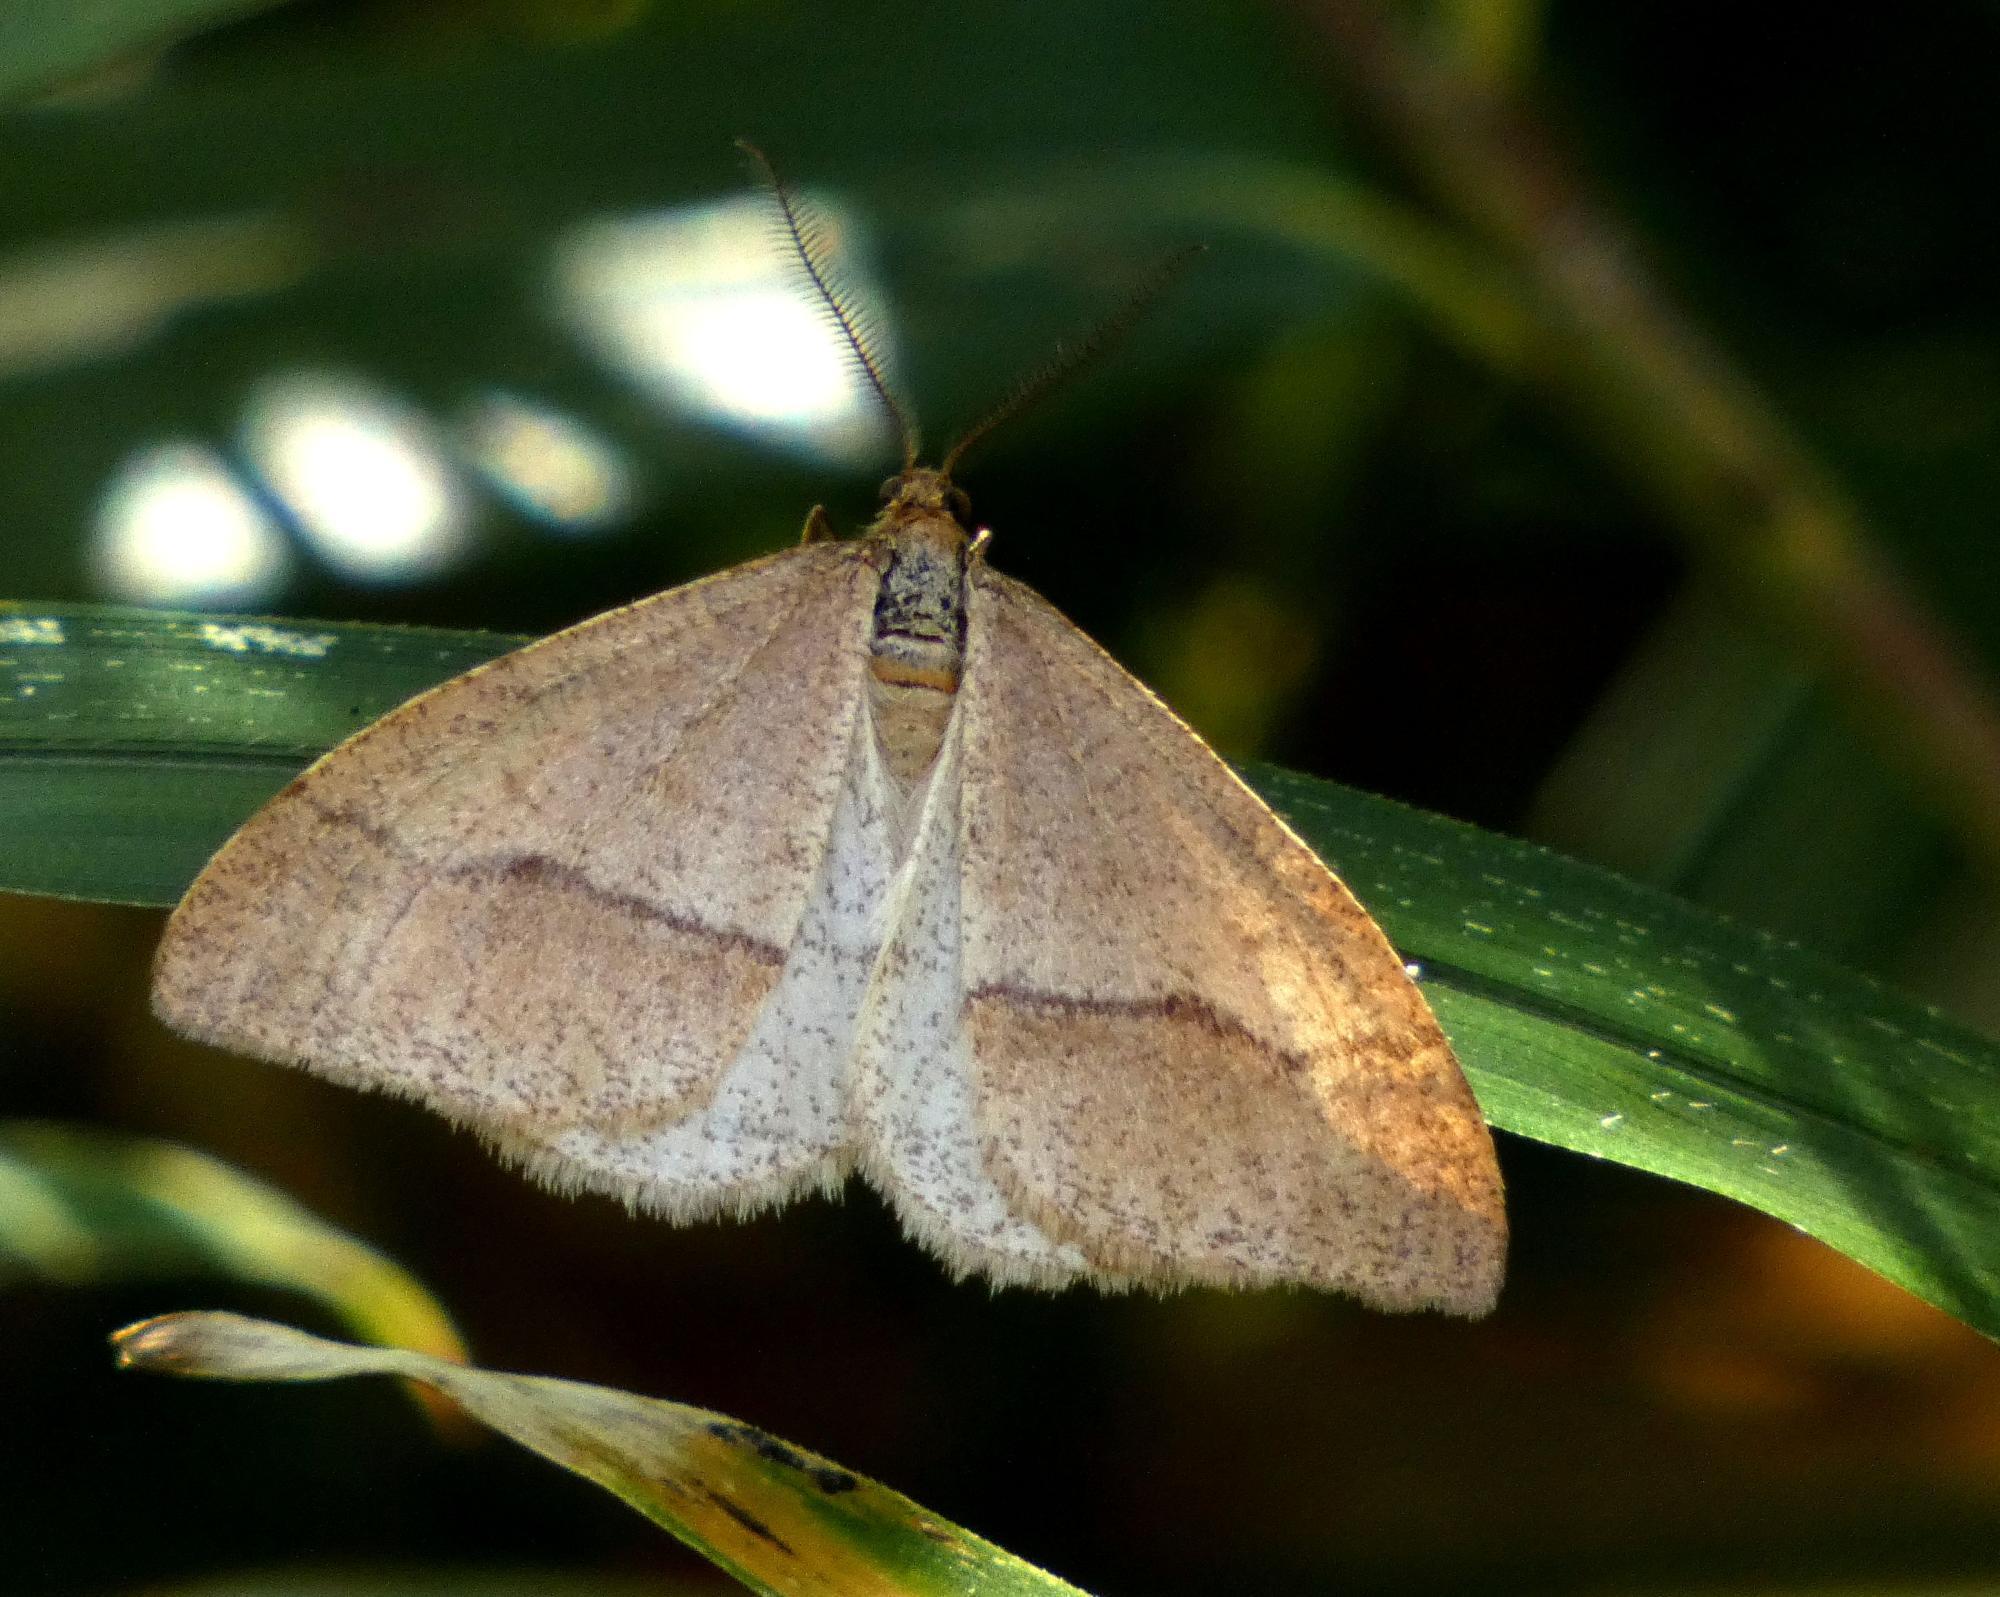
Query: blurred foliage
point(45, 44)
point(79, 1206)
point(1364, 431)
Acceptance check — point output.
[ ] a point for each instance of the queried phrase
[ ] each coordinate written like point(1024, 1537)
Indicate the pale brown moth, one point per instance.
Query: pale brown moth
point(860, 857)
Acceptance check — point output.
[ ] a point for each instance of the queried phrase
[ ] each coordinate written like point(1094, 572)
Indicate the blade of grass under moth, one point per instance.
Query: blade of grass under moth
point(1590, 1012)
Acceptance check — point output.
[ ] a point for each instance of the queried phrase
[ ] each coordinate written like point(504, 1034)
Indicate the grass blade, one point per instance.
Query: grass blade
point(1590, 1012)
point(783, 1521)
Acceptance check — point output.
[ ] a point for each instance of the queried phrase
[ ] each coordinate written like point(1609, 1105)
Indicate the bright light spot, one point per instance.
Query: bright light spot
point(361, 472)
point(704, 309)
point(551, 465)
point(256, 637)
point(32, 629)
point(176, 527)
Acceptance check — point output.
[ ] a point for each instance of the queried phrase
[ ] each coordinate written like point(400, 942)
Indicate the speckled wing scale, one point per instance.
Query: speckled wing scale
point(1197, 1057)
point(554, 897)
point(862, 857)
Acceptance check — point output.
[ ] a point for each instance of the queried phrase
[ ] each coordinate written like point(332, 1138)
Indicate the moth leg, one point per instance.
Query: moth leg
point(819, 526)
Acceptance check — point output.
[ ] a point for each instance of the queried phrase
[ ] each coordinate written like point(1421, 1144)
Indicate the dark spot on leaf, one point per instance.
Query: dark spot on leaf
point(824, 1476)
point(750, 1522)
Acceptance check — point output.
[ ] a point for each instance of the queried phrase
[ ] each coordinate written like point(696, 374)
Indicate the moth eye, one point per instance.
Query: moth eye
point(959, 505)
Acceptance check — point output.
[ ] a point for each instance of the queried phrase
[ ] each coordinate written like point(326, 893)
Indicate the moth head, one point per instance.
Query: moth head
point(926, 491)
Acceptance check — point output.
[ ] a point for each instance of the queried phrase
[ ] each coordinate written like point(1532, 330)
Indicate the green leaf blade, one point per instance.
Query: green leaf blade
point(132, 742)
point(1590, 1012)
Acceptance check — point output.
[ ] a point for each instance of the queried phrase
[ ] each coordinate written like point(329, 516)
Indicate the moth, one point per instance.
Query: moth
point(860, 858)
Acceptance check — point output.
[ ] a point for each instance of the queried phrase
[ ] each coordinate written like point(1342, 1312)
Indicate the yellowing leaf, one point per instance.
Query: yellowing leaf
point(782, 1520)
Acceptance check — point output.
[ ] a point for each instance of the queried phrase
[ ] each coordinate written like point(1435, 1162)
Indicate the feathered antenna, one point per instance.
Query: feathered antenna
point(807, 232)
point(1071, 357)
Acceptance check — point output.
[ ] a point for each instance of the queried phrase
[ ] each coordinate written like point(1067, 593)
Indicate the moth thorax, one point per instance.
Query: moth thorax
point(918, 646)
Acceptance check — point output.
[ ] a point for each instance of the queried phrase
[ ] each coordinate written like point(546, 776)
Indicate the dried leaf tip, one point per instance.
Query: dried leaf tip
point(806, 231)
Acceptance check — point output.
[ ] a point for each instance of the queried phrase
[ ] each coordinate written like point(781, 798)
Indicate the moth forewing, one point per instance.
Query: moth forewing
point(777, 1122)
point(1198, 1059)
point(541, 895)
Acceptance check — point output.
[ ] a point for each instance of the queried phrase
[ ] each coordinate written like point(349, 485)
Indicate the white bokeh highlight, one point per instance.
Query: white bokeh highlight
point(546, 463)
point(177, 527)
point(704, 309)
point(361, 472)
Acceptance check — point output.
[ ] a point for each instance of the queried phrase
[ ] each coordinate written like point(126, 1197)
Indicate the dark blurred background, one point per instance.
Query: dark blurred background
point(1581, 415)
